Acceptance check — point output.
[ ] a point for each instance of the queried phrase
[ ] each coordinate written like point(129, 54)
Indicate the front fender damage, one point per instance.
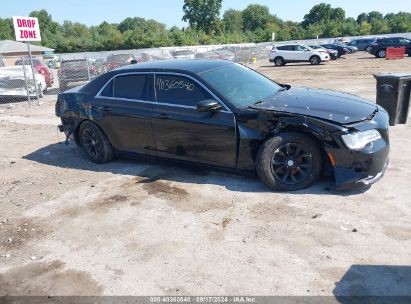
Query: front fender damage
point(255, 129)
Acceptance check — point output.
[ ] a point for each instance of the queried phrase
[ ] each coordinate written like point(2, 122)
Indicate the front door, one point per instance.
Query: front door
point(182, 132)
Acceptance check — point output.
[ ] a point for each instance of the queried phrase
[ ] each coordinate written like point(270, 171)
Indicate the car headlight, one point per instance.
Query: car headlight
point(359, 140)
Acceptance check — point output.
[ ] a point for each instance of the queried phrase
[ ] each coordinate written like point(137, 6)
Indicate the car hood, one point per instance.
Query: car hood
point(342, 108)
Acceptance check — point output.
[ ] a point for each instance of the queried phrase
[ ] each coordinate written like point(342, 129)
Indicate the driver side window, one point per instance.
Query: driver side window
point(179, 90)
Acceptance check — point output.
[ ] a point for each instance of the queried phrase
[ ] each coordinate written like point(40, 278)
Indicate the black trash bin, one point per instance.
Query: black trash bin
point(393, 94)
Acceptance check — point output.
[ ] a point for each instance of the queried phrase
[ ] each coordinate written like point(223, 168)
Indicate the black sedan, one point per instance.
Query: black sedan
point(219, 113)
point(342, 49)
point(379, 48)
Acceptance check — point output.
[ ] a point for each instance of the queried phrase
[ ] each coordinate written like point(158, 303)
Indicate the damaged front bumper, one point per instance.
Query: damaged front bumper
point(360, 168)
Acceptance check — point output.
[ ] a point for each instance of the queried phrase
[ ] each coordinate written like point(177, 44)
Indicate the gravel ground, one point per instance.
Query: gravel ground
point(71, 227)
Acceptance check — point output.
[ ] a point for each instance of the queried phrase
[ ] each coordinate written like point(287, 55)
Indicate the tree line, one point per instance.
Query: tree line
point(253, 24)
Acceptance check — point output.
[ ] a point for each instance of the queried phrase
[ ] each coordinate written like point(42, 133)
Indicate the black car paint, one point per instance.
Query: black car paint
point(232, 137)
point(342, 50)
point(339, 107)
point(392, 42)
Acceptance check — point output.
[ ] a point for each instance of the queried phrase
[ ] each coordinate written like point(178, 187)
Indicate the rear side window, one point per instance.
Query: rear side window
point(108, 90)
point(130, 87)
point(283, 48)
point(179, 90)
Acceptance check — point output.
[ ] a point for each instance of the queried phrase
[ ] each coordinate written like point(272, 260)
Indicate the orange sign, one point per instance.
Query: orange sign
point(395, 53)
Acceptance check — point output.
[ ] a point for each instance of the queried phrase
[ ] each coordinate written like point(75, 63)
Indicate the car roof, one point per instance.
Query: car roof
point(194, 66)
point(186, 66)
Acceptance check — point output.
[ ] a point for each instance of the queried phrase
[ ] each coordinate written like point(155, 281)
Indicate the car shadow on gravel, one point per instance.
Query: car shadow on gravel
point(72, 157)
point(374, 284)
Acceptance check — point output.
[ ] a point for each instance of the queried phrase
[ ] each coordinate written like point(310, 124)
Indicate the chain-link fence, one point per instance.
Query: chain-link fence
point(19, 82)
point(64, 71)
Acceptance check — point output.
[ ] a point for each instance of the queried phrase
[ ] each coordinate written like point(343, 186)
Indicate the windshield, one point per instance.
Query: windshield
point(241, 86)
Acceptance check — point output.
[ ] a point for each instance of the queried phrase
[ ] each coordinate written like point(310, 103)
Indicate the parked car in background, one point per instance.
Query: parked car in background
point(342, 40)
point(14, 81)
point(100, 65)
point(118, 60)
point(283, 54)
point(220, 113)
point(342, 50)
point(351, 49)
point(75, 70)
point(379, 48)
point(333, 53)
point(362, 44)
point(40, 66)
point(183, 54)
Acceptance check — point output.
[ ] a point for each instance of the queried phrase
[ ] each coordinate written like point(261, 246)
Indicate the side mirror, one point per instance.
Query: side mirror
point(208, 105)
point(133, 61)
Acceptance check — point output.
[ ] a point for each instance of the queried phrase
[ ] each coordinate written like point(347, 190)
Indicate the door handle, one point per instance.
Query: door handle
point(105, 109)
point(162, 116)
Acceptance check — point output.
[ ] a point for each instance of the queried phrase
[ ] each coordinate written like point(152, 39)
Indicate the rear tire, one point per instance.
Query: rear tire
point(368, 49)
point(95, 143)
point(289, 161)
point(279, 61)
point(381, 53)
point(315, 60)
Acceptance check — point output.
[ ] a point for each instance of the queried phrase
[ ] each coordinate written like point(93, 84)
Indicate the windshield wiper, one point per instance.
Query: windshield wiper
point(258, 102)
point(265, 99)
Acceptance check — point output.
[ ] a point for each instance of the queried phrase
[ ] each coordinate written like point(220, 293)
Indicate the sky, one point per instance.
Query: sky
point(169, 12)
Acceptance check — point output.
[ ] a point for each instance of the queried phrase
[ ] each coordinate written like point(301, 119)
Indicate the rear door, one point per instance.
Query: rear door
point(182, 132)
point(285, 52)
point(123, 109)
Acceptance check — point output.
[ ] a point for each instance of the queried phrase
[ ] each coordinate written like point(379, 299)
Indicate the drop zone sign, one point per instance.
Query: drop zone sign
point(26, 28)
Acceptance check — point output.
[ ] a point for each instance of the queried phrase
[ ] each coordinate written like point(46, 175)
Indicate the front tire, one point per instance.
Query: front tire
point(315, 60)
point(95, 143)
point(289, 161)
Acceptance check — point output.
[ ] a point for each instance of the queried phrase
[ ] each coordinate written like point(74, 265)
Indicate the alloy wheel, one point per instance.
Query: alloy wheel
point(91, 143)
point(291, 163)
